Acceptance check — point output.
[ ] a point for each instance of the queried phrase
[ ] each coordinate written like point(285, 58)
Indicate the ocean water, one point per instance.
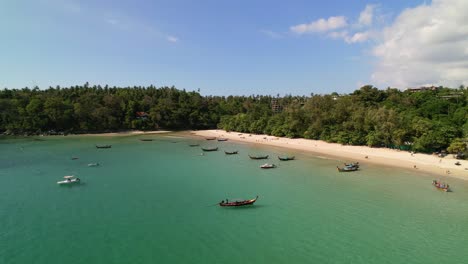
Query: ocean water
point(155, 202)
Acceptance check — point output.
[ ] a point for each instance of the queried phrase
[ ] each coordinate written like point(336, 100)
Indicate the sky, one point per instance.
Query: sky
point(240, 47)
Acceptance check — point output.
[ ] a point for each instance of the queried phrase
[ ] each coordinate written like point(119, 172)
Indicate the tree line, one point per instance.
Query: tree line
point(425, 121)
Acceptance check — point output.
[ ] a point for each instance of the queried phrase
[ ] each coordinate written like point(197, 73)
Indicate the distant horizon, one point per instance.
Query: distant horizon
point(295, 47)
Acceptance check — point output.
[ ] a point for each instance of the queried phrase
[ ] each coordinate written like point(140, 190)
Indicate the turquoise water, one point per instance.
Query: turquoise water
point(153, 202)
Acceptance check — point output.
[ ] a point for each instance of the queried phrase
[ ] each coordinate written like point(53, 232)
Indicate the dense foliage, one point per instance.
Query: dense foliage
point(423, 121)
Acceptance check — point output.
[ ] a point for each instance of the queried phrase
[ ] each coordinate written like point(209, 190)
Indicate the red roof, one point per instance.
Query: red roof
point(141, 114)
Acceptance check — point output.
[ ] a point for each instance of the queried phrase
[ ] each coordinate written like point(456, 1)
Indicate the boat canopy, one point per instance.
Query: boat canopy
point(68, 177)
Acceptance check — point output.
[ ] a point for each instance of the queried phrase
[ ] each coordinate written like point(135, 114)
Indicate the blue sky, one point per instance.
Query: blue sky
point(220, 47)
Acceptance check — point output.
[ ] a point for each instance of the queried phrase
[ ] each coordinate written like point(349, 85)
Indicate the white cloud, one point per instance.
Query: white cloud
point(338, 34)
point(321, 25)
point(425, 45)
point(350, 39)
point(358, 37)
point(366, 16)
point(172, 39)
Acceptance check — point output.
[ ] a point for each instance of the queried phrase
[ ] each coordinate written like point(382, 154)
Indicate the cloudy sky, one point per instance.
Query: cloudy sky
point(234, 47)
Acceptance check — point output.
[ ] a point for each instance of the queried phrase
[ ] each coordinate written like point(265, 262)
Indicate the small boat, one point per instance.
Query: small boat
point(238, 203)
point(258, 157)
point(441, 186)
point(457, 163)
point(286, 158)
point(210, 138)
point(222, 139)
point(354, 164)
point(268, 166)
point(103, 146)
point(231, 152)
point(194, 145)
point(75, 158)
point(69, 180)
point(210, 149)
point(93, 164)
point(146, 139)
point(347, 169)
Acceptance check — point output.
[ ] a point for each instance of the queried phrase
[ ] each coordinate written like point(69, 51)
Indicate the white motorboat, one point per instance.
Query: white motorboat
point(69, 180)
point(268, 166)
point(93, 164)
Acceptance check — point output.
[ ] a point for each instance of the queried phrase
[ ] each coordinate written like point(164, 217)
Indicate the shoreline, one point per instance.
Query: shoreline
point(443, 167)
point(124, 133)
point(105, 134)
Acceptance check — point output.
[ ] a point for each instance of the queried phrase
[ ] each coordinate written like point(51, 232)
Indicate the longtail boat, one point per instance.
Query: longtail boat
point(268, 166)
point(103, 146)
point(238, 203)
point(210, 138)
point(231, 152)
point(441, 186)
point(210, 149)
point(286, 158)
point(258, 157)
point(355, 164)
point(222, 139)
point(146, 139)
point(194, 145)
point(347, 169)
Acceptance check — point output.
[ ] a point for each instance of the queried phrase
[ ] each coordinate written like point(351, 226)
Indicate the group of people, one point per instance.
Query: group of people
point(439, 184)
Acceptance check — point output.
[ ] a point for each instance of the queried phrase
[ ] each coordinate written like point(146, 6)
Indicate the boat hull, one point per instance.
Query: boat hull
point(104, 147)
point(210, 149)
point(73, 181)
point(286, 158)
point(239, 203)
point(349, 169)
point(258, 157)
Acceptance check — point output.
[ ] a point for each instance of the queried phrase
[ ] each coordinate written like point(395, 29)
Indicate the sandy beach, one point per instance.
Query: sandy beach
point(383, 156)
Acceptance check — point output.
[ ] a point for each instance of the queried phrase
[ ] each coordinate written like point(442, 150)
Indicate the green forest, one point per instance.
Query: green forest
point(424, 120)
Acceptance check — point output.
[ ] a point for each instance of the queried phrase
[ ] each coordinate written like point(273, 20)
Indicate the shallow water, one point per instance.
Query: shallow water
point(155, 201)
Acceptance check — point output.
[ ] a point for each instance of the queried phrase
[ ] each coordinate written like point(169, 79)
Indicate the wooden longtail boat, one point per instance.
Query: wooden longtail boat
point(146, 139)
point(103, 146)
point(441, 186)
point(238, 203)
point(258, 157)
point(210, 149)
point(210, 138)
point(231, 152)
point(347, 169)
point(286, 158)
point(222, 139)
point(194, 145)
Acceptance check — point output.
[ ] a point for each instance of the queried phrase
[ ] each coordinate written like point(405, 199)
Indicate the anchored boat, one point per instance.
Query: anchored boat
point(258, 157)
point(268, 166)
point(238, 203)
point(286, 158)
point(441, 186)
point(347, 168)
point(210, 149)
point(103, 146)
point(69, 180)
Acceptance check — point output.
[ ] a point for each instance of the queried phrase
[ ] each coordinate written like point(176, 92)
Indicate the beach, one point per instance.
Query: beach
point(431, 164)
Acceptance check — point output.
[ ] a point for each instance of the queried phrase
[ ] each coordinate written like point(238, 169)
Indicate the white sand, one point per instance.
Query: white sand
point(390, 157)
